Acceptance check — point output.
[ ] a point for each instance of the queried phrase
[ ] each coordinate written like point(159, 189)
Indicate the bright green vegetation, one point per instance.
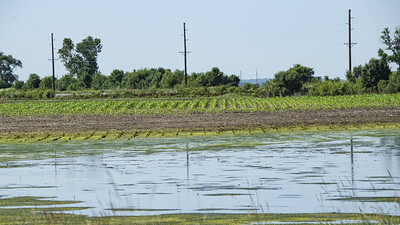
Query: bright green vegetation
point(166, 106)
point(370, 199)
point(34, 211)
point(32, 201)
point(131, 134)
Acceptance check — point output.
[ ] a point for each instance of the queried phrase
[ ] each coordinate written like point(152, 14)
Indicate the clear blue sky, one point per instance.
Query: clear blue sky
point(234, 35)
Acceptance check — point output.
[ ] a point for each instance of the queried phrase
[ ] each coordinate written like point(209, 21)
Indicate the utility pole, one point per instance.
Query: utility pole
point(350, 44)
point(240, 78)
point(184, 51)
point(53, 84)
point(256, 76)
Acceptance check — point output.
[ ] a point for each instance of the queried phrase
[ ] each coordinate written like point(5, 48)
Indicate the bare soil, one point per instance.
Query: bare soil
point(196, 121)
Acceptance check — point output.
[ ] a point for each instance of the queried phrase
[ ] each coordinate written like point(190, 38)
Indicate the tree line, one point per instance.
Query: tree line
point(152, 78)
point(80, 60)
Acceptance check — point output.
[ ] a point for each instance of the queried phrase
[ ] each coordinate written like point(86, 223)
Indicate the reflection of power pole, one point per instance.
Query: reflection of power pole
point(350, 44)
point(184, 51)
point(53, 84)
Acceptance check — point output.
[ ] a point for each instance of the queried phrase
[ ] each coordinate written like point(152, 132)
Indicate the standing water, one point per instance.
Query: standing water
point(304, 172)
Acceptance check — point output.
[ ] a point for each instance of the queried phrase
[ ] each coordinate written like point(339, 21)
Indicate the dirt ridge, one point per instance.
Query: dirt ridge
point(196, 121)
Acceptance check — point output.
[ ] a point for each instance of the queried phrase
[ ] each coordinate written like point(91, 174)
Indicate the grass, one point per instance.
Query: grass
point(32, 201)
point(165, 106)
point(370, 199)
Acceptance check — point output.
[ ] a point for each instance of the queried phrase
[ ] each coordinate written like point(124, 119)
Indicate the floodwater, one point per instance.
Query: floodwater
point(304, 172)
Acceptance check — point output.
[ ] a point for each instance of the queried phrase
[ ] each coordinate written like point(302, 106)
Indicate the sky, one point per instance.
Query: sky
point(241, 37)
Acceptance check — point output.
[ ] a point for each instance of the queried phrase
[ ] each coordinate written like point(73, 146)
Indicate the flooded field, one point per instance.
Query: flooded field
point(304, 172)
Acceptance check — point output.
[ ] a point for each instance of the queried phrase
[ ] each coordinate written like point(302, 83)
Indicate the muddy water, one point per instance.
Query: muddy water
point(302, 172)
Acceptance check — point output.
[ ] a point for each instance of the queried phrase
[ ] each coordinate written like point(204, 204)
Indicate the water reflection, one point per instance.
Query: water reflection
point(187, 162)
point(352, 163)
point(274, 173)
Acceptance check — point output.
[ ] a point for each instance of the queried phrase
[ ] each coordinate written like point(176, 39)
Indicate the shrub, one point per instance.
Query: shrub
point(18, 85)
point(33, 81)
point(46, 83)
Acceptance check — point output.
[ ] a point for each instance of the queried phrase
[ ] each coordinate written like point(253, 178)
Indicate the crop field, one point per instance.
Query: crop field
point(168, 106)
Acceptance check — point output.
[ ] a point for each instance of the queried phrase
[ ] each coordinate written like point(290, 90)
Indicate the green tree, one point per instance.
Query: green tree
point(233, 81)
point(393, 85)
point(99, 81)
point(85, 77)
point(115, 78)
point(63, 83)
point(7, 66)
point(393, 45)
point(170, 79)
point(4, 84)
point(215, 77)
point(18, 84)
point(81, 60)
point(353, 75)
point(273, 88)
point(76, 85)
point(33, 81)
point(374, 71)
point(130, 81)
point(156, 77)
point(46, 82)
point(292, 80)
point(197, 80)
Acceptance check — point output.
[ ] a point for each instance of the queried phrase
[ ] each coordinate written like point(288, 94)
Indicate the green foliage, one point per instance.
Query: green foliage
point(84, 77)
point(215, 77)
point(233, 80)
point(33, 81)
point(162, 78)
point(7, 66)
point(82, 59)
point(332, 88)
point(393, 45)
point(163, 106)
point(290, 81)
point(76, 85)
point(115, 79)
point(170, 79)
point(31, 94)
point(393, 85)
point(273, 88)
point(3, 84)
point(19, 84)
point(374, 71)
point(46, 83)
point(353, 75)
point(63, 83)
point(99, 82)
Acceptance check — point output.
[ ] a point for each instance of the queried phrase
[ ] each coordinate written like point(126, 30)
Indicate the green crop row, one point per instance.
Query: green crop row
point(163, 106)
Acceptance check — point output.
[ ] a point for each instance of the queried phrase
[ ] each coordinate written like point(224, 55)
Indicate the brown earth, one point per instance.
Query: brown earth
point(197, 121)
